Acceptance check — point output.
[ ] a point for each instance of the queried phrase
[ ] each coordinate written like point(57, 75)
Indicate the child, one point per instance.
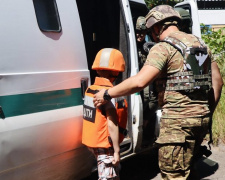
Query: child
point(101, 126)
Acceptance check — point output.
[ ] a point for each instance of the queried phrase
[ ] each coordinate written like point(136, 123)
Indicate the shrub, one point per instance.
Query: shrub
point(216, 41)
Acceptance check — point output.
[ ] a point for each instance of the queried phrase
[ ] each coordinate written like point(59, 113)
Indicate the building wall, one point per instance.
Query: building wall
point(216, 18)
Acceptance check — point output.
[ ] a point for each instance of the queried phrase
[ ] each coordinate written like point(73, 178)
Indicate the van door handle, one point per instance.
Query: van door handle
point(84, 85)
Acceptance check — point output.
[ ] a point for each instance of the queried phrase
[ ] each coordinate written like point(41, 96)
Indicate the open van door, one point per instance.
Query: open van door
point(110, 24)
point(133, 9)
point(191, 7)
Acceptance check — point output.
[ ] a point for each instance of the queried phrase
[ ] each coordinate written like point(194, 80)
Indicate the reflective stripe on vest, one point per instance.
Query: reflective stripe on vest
point(89, 110)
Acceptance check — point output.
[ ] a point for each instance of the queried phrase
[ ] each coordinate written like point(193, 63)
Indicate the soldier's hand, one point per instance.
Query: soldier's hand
point(98, 98)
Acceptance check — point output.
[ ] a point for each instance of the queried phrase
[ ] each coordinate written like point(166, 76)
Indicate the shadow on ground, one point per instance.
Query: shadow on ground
point(206, 167)
point(140, 167)
point(145, 167)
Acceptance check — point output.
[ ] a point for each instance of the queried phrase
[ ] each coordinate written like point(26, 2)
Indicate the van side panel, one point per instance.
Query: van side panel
point(40, 95)
point(23, 44)
point(39, 148)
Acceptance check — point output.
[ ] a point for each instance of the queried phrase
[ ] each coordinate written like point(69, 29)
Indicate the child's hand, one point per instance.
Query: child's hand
point(116, 159)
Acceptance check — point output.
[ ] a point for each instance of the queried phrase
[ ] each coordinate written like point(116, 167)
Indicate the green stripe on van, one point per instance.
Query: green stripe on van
point(20, 104)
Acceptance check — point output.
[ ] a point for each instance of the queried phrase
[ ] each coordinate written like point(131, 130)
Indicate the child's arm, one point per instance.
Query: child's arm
point(113, 131)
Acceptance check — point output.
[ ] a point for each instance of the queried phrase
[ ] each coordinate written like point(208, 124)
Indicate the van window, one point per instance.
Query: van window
point(47, 15)
point(186, 20)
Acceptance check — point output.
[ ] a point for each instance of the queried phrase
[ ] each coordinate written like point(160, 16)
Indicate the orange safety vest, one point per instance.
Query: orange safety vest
point(95, 126)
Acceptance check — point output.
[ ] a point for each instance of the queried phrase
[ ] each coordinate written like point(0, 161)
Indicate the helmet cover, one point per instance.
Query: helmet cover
point(140, 24)
point(161, 13)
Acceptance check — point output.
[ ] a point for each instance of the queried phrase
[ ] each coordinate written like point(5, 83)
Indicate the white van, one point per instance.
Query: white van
point(47, 49)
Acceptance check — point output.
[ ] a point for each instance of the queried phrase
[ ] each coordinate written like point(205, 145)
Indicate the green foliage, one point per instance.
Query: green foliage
point(216, 41)
point(153, 3)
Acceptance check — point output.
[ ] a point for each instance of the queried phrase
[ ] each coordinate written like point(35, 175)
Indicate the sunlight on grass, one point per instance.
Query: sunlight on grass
point(218, 128)
point(216, 41)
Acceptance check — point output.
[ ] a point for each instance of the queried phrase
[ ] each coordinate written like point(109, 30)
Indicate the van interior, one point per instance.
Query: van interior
point(104, 26)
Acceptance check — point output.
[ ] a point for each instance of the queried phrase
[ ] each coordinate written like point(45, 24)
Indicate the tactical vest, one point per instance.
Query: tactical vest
point(196, 74)
point(95, 125)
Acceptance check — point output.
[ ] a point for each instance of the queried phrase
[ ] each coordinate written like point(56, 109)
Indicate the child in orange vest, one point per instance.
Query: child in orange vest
point(101, 126)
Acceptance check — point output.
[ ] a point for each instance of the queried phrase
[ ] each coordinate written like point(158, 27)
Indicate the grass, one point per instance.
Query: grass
point(218, 127)
point(216, 41)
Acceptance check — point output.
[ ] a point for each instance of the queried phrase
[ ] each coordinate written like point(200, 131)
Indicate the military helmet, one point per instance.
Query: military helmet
point(109, 59)
point(161, 13)
point(140, 23)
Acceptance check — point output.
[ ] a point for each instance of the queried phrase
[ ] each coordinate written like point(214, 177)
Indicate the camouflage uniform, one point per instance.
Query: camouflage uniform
point(140, 28)
point(185, 116)
point(148, 95)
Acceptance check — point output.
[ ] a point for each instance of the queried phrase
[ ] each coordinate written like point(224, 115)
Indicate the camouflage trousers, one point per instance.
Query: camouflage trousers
point(179, 142)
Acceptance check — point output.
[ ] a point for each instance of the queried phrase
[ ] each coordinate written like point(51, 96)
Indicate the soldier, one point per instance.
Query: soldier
point(184, 78)
point(148, 95)
point(140, 36)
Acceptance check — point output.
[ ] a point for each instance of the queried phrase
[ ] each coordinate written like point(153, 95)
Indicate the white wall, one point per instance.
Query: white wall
point(213, 17)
